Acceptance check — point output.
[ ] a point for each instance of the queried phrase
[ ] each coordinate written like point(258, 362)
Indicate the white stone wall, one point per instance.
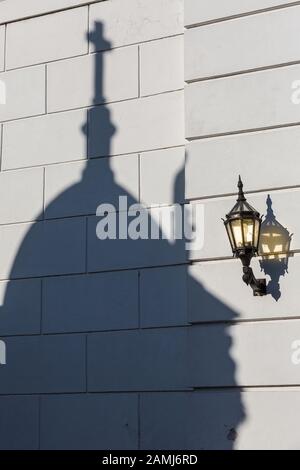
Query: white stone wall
point(242, 117)
point(94, 110)
point(141, 344)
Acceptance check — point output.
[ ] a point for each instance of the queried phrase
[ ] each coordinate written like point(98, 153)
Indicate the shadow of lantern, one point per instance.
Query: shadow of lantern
point(274, 249)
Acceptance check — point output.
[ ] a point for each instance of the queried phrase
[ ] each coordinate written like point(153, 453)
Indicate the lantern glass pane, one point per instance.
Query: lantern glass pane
point(236, 227)
point(256, 232)
point(248, 229)
point(230, 236)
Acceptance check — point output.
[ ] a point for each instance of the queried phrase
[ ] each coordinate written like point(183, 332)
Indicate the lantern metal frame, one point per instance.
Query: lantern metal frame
point(244, 213)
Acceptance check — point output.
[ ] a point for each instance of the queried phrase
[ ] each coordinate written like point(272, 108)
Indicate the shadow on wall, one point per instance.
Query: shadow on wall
point(275, 241)
point(210, 422)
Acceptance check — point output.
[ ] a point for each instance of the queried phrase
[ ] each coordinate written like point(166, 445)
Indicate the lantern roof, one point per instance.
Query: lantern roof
point(242, 207)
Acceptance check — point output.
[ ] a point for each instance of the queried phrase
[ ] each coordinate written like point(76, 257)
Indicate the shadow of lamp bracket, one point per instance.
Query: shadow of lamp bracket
point(243, 225)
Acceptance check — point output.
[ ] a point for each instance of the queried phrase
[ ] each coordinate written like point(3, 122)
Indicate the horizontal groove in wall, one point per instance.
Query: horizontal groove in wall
point(105, 103)
point(135, 268)
point(242, 72)
point(250, 388)
point(23, 118)
point(82, 160)
point(246, 321)
point(243, 131)
point(89, 107)
point(92, 53)
point(230, 195)
point(13, 69)
point(16, 17)
point(117, 270)
point(93, 158)
point(241, 15)
point(99, 392)
point(42, 219)
point(190, 391)
point(226, 258)
point(96, 332)
point(211, 324)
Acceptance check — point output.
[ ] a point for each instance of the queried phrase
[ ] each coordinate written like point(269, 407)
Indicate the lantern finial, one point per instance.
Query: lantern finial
point(241, 196)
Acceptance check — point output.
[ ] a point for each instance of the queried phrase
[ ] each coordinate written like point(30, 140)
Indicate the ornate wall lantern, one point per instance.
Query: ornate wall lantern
point(243, 224)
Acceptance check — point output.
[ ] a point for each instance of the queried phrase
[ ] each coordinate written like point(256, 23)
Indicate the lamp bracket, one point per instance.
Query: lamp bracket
point(258, 285)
